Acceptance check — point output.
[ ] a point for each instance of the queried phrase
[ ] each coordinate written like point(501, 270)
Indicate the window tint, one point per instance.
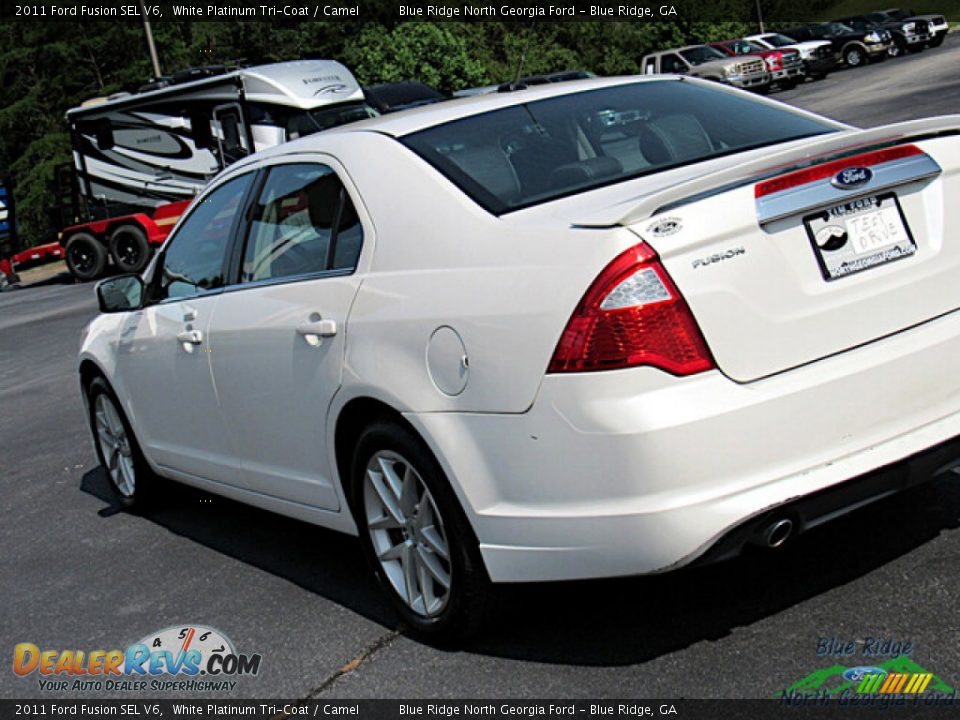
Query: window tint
point(292, 232)
point(194, 258)
point(673, 64)
point(526, 154)
point(701, 54)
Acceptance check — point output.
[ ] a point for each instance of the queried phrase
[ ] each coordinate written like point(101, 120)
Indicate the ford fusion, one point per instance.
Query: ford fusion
point(602, 328)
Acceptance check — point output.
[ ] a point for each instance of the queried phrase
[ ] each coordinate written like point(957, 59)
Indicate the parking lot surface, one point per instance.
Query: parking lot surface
point(78, 573)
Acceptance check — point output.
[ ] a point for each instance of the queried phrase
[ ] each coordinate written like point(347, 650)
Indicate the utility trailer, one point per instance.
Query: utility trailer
point(139, 159)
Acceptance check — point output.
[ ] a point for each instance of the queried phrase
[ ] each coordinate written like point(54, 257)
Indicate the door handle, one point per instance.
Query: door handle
point(190, 337)
point(313, 330)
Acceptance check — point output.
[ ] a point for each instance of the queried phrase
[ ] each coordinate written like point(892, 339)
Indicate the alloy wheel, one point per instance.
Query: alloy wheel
point(115, 446)
point(407, 533)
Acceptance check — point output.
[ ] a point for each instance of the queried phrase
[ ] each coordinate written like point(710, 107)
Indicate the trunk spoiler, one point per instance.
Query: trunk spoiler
point(816, 150)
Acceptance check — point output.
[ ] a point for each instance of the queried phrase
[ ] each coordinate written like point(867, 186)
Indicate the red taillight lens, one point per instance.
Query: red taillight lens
point(631, 315)
point(829, 169)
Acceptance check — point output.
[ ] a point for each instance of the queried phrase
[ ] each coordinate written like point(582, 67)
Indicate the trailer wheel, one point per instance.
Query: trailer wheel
point(129, 248)
point(86, 256)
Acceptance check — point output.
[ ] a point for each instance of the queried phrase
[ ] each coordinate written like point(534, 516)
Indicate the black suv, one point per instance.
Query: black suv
point(908, 35)
point(855, 47)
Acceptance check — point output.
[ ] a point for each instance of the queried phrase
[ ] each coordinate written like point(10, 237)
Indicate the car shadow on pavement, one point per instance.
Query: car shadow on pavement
point(602, 622)
point(321, 561)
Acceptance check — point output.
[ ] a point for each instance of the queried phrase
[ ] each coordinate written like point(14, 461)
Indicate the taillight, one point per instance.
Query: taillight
point(632, 315)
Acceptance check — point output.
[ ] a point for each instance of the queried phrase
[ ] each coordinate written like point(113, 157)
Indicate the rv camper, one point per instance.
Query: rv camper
point(133, 153)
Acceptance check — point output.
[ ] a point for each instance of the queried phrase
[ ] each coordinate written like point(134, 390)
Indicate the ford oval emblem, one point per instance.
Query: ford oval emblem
point(855, 674)
point(852, 177)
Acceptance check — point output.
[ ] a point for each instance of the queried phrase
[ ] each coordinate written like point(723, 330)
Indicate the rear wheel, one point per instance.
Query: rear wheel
point(898, 48)
point(129, 248)
point(131, 479)
point(86, 257)
point(415, 535)
point(938, 40)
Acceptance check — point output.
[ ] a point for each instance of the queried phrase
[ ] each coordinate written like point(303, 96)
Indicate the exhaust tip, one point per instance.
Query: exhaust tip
point(778, 533)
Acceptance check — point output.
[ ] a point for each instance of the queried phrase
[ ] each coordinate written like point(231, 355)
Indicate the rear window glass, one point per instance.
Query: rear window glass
point(527, 154)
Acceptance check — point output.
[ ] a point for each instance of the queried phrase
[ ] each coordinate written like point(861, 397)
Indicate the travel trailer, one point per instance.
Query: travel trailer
point(136, 152)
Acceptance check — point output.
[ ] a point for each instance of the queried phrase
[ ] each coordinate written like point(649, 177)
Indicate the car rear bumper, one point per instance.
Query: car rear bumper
point(634, 471)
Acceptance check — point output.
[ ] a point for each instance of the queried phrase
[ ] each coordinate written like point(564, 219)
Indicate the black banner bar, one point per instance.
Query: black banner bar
point(921, 707)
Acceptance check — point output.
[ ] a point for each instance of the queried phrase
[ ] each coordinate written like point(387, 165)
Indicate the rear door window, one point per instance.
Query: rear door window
point(303, 223)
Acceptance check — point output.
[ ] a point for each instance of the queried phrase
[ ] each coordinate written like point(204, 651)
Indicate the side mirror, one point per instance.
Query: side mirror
point(120, 294)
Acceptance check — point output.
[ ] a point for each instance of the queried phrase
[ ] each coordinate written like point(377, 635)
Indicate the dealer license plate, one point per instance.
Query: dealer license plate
point(859, 235)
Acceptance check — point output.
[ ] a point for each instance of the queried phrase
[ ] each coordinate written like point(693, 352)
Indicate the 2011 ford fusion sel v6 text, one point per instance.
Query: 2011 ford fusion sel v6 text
point(599, 328)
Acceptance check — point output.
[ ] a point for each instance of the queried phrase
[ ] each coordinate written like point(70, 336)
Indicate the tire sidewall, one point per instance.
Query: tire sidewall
point(140, 239)
point(463, 612)
point(99, 252)
point(143, 474)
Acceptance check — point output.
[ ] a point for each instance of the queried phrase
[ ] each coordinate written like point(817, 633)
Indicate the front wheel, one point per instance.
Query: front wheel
point(131, 479)
point(415, 535)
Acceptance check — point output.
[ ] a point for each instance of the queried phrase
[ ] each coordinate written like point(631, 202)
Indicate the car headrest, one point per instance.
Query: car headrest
point(577, 173)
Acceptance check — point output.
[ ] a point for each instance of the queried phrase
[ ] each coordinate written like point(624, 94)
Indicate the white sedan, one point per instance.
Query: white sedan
point(599, 328)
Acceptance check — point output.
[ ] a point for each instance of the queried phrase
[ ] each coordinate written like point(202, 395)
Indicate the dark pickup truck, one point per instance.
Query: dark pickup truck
point(907, 35)
point(854, 47)
point(939, 27)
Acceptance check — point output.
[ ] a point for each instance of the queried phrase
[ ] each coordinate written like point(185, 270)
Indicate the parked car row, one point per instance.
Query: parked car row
point(784, 58)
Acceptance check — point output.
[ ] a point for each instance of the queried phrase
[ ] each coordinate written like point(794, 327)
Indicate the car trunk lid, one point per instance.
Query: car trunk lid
point(815, 249)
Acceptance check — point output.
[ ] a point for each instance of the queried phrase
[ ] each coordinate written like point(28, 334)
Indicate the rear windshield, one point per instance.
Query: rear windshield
point(527, 154)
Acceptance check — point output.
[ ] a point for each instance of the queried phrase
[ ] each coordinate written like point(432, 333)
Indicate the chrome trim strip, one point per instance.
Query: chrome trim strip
point(822, 193)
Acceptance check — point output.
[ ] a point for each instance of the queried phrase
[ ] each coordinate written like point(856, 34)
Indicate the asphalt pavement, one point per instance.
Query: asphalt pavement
point(78, 573)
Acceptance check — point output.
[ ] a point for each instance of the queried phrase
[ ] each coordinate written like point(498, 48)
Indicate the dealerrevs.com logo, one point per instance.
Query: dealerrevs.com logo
point(176, 659)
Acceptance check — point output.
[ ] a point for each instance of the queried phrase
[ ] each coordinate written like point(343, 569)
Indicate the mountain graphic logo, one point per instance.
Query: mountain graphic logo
point(899, 675)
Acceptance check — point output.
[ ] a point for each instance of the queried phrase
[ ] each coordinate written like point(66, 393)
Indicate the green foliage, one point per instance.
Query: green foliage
point(435, 53)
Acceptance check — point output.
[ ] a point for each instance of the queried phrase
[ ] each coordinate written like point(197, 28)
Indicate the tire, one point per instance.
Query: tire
point(86, 257)
point(788, 84)
point(400, 547)
point(129, 248)
point(129, 476)
point(937, 41)
point(898, 48)
point(854, 56)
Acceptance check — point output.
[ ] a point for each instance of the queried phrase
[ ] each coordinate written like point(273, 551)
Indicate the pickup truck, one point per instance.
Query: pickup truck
point(855, 47)
point(785, 66)
point(747, 72)
point(938, 23)
point(908, 35)
point(818, 56)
